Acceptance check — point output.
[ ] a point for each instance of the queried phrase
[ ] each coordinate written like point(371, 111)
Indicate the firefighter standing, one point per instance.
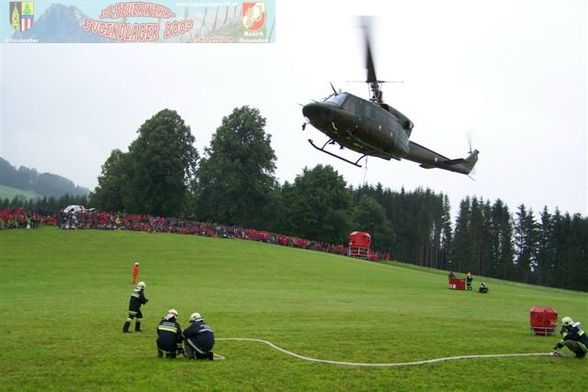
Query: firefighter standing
point(469, 279)
point(198, 339)
point(137, 299)
point(573, 338)
point(169, 335)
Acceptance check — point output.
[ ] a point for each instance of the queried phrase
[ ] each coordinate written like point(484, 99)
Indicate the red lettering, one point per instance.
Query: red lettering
point(87, 24)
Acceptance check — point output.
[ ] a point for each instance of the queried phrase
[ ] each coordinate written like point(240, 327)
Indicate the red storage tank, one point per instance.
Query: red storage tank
point(359, 244)
point(457, 284)
point(360, 238)
point(543, 320)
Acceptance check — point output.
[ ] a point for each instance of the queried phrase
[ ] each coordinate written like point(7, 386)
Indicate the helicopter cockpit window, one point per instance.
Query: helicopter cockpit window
point(336, 100)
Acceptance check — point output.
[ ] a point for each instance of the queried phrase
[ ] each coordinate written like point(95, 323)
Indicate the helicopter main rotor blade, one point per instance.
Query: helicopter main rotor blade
point(371, 70)
point(372, 79)
point(333, 87)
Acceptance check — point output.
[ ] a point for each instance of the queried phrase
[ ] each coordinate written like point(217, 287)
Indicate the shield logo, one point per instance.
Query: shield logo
point(21, 15)
point(253, 16)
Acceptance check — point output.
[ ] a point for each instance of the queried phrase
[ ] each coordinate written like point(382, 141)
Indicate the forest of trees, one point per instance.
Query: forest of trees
point(44, 184)
point(234, 184)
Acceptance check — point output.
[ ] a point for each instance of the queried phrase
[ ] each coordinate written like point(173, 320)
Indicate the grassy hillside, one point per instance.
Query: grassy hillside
point(7, 192)
point(64, 296)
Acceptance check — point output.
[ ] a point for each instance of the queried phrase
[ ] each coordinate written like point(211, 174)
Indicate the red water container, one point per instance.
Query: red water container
point(359, 244)
point(360, 238)
point(457, 284)
point(543, 320)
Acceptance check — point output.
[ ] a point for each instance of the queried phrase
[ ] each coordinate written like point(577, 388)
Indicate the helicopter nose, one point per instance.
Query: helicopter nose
point(314, 110)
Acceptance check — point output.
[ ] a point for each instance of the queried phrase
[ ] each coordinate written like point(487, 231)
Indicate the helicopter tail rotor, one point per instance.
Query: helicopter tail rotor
point(469, 142)
point(472, 157)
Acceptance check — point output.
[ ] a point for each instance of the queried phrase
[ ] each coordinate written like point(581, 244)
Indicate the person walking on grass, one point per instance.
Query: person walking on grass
point(198, 339)
point(137, 299)
point(573, 337)
point(169, 335)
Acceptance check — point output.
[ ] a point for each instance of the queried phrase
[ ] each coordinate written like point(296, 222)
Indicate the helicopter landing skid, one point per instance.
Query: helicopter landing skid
point(330, 141)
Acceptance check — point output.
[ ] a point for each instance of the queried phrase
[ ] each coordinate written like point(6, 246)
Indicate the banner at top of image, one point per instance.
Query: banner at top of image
point(163, 21)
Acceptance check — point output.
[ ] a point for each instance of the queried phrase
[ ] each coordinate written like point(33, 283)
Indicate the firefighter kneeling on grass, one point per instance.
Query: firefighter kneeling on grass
point(169, 335)
point(573, 338)
point(198, 339)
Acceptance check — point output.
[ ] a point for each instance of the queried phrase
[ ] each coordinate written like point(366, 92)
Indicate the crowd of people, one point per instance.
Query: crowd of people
point(91, 219)
point(104, 220)
point(19, 218)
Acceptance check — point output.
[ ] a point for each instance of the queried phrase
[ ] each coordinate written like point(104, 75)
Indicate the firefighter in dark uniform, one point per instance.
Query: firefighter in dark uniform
point(469, 279)
point(573, 337)
point(169, 335)
point(137, 299)
point(198, 339)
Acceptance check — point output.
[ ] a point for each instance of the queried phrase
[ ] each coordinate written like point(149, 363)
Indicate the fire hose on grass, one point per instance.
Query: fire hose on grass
point(397, 364)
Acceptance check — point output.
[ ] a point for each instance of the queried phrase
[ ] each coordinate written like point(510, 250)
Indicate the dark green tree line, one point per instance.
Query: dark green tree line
point(417, 226)
point(552, 251)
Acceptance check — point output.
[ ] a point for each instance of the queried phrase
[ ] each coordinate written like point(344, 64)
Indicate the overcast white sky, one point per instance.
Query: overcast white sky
point(512, 74)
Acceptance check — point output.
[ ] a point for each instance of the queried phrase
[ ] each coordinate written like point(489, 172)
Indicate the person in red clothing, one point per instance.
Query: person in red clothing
point(135, 273)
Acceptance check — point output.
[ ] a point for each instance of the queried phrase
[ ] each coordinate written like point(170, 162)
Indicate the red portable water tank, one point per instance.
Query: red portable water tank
point(457, 284)
point(543, 320)
point(360, 238)
point(359, 244)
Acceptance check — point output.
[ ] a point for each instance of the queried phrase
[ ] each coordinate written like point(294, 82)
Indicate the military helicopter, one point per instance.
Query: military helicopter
point(374, 128)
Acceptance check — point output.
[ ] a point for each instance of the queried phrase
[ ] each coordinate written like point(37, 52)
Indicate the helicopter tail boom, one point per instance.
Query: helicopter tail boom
point(430, 159)
point(463, 165)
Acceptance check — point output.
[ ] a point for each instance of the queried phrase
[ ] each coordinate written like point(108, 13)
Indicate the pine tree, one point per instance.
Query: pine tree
point(462, 247)
point(502, 264)
point(525, 240)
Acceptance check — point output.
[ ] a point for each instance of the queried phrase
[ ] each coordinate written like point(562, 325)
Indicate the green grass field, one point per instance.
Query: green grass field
point(7, 192)
point(64, 297)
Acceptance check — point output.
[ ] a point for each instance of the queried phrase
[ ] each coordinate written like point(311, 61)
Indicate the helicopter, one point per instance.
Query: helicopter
point(374, 128)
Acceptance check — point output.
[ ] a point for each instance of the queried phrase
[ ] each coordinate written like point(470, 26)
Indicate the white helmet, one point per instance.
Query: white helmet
point(141, 285)
point(567, 321)
point(171, 314)
point(195, 316)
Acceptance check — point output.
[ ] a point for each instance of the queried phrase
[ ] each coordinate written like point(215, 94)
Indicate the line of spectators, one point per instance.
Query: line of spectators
point(103, 220)
point(87, 219)
point(19, 218)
